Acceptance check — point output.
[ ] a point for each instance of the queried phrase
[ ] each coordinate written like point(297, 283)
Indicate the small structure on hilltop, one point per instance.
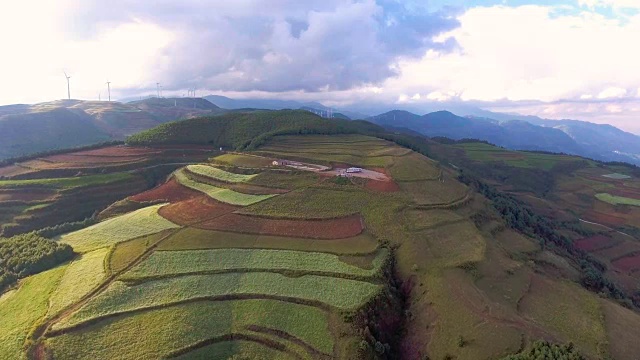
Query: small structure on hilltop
point(352, 170)
point(280, 163)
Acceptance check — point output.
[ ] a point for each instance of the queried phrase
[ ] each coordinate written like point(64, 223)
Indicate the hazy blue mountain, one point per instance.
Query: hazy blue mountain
point(578, 138)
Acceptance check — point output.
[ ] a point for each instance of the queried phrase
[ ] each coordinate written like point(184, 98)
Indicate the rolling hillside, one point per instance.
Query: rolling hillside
point(414, 257)
point(29, 129)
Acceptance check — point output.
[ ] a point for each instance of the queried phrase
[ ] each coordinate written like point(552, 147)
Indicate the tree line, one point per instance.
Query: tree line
point(28, 254)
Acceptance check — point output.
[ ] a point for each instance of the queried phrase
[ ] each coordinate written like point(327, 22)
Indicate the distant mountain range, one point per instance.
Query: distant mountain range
point(26, 129)
point(596, 141)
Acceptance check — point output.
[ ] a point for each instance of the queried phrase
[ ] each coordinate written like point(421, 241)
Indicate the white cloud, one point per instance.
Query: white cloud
point(586, 96)
point(612, 92)
point(529, 53)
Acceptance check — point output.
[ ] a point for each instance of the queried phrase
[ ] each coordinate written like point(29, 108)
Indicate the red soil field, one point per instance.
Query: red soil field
point(628, 263)
point(170, 191)
point(594, 243)
point(196, 210)
point(604, 219)
point(382, 186)
point(314, 229)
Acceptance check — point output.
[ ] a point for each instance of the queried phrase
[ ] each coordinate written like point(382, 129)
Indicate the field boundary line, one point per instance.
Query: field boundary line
point(218, 298)
point(317, 354)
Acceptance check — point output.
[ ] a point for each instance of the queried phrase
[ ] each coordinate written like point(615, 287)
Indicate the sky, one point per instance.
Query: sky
point(574, 59)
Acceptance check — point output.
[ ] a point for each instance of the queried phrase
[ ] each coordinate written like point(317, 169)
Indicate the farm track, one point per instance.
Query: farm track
point(455, 204)
point(281, 334)
point(606, 227)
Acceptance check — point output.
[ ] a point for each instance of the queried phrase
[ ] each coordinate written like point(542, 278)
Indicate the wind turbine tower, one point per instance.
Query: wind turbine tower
point(68, 86)
point(158, 89)
point(109, 89)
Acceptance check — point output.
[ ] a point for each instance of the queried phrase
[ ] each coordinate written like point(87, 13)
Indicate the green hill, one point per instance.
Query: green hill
point(247, 130)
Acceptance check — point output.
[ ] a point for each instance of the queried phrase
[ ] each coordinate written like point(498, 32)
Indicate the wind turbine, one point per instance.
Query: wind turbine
point(68, 87)
point(158, 89)
point(109, 89)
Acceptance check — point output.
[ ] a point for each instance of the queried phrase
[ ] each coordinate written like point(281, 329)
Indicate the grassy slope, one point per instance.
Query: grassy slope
point(223, 195)
point(81, 276)
point(122, 228)
point(22, 309)
point(239, 130)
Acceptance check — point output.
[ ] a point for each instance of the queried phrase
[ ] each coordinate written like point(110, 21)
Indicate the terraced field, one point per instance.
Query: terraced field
point(326, 269)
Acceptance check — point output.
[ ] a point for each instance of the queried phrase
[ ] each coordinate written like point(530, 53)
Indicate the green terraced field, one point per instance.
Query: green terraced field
point(66, 183)
point(21, 309)
point(119, 297)
point(218, 174)
point(617, 200)
point(141, 222)
point(81, 276)
point(311, 203)
point(164, 263)
point(194, 239)
point(155, 334)
point(223, 195)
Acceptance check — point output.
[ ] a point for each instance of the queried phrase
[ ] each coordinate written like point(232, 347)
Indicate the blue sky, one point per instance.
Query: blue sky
point(555, 59)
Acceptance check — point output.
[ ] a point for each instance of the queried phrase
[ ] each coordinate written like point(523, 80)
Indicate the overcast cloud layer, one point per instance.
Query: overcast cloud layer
point(577, 59)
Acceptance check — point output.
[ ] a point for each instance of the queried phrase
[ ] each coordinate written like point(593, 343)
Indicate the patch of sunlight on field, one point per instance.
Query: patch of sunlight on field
point(81, 276)
point(20, 311)
point(141, 222)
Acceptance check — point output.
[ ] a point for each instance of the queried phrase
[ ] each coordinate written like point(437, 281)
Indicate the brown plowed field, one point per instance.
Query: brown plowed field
point(594, 243)
point(314, 229)
point(628, 263)
point(196, 210)
point(78, 159)
point(170, 191)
